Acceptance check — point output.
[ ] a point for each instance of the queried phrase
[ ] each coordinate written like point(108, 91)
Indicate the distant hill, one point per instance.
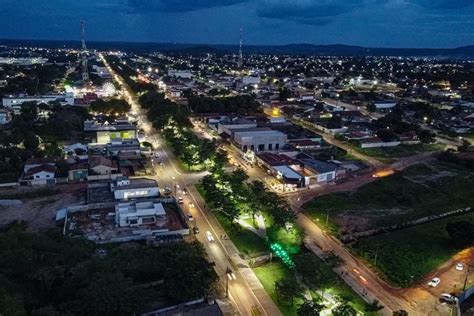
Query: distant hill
point(299, 49)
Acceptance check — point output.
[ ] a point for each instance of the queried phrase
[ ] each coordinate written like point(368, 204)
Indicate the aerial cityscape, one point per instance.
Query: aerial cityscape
point(237, 158)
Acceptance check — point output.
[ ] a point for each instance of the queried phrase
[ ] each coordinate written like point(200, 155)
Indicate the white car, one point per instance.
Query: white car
point(190, 217)
point(209, 236)
point(434, 282)
point(448, 298)
point(180, 200)
point(460, 266)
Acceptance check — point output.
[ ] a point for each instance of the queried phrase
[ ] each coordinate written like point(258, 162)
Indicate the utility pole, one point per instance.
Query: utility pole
point(85, 70)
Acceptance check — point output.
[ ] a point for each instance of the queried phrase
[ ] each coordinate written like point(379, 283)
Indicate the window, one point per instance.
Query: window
point(261, 147)
point(277, 146)
point(270, 146)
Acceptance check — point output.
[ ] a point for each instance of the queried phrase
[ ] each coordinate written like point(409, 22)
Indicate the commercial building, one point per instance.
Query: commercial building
point(124, 188)
point(185, 74)
point(259, 139)
point(324, 172)
point(15, 102)
point(95, 132)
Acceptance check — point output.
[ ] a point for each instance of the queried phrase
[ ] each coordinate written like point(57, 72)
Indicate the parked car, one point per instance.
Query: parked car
point(448, 298)
point(180, 200)
point(196, 230)
point(460, 266)
point(434, 282)
point(167, 191)
point(209, 236)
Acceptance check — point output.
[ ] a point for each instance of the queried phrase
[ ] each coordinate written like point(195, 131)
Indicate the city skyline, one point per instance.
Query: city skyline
point(371, 23)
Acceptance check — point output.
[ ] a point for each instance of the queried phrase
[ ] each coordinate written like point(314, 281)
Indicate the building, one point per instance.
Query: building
point(124, 188)
point(385, 105)
point(324, 172)
point(5, 116)
point(15, 102)
point(185, 74)
point(135, 214)
point(228, 127)
point(95, 132)
point(78, 172)
point(257, 139)
point(246, 80)
point(39, 171)
point(101, 168)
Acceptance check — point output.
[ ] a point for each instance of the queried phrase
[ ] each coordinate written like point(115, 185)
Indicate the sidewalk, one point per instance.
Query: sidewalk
point(247, 273)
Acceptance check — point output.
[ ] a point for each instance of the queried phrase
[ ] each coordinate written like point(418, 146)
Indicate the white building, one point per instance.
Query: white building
point(39, 171)
point(246, 80)
point(185, 74)
point(134, 214)
point(124, 188)
point(384, 105)
point(15, 102)
point(260, 140)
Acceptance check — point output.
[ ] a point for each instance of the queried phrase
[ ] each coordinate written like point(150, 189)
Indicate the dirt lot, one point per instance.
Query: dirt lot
point(40, 212)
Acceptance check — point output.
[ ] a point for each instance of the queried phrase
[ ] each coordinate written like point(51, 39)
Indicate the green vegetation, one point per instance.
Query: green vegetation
point(46, 274)
point(416, 192)
point(110, 107)
point(406, 256)
point(242, 104)
point(400, 150)
point(269, 274)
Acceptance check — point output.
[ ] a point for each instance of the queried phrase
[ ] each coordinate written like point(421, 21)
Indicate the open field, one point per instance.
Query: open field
point(406, 256)
point(418, 191)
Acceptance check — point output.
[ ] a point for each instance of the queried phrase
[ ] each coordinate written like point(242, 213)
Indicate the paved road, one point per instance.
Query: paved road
point(246, 292)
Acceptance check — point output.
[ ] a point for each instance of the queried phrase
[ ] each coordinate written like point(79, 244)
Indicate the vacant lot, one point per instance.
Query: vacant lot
point(406, 256)
point(400, 151)
point(418, 191)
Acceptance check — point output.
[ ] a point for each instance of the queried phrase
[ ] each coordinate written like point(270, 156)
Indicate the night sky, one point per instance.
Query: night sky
point(381, 23)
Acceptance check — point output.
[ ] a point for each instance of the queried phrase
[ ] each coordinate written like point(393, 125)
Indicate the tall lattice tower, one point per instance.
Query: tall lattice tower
point(85, 70)
point(240, 63)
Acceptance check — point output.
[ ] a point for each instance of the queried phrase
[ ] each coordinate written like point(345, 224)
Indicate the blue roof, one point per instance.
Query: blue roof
point(319, 166)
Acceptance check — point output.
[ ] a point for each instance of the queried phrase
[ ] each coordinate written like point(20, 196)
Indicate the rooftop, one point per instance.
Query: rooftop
point(318, 166)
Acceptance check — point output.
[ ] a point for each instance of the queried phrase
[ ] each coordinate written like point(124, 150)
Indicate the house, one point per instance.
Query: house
point(125, 188)
point(78, 171)
point(102, 168)
point(39, 172)
point(136, 214)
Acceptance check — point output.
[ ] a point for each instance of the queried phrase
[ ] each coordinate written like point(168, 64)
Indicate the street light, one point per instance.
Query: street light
point(230, 277)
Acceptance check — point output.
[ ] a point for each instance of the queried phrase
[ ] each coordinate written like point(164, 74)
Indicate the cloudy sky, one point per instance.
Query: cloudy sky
point(382, 23)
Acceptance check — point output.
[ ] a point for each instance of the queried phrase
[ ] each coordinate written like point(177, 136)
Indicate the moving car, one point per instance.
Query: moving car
point(434, 282)
point(460, 266)
point(209, 236)
point(190, 217)
point(191, 205)
point(180, 200)
point(167, 191)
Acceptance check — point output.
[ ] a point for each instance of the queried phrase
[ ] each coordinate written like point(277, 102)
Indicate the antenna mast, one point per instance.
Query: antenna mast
point(240, 49)
point(85, 70)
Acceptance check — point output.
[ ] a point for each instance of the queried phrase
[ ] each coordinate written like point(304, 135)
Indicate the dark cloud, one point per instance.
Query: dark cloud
point(443, 4)
point(144, 6)
point(312, 12)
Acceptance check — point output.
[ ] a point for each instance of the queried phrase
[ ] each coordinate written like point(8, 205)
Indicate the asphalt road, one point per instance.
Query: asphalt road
point(245, 291)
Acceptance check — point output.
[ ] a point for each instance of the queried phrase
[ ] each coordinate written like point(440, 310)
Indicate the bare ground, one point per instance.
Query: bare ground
point(39, 213)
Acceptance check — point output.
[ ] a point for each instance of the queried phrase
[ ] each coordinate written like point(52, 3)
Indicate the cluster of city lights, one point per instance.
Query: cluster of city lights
point(280, 252)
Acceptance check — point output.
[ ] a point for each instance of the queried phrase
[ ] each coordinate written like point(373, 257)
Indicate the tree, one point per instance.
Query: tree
point(344, 309)
point(371, 107)
point(288, 289)
point(461, 233)
point(425, 136)
point(284, 93)
point(31, 141)
point(464, 146)
point(314, 272)
point(310, 308)
point(374, 306)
